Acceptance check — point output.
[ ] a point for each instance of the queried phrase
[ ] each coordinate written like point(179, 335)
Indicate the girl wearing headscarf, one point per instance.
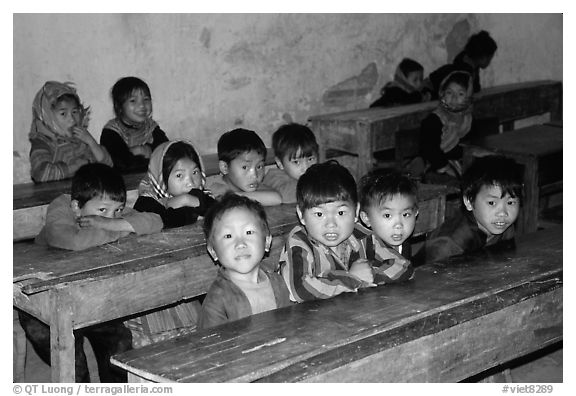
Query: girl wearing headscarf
point(406, 88)
point(174, 185)
point(132, 135)
point(442, 131)
point(59, 138)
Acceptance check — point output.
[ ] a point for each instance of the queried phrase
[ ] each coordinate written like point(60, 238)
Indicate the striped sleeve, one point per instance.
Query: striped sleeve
point(308, 277)
point(43, 168)
point(389, 266)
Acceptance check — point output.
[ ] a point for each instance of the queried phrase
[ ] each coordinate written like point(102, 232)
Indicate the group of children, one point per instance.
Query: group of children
point(351, 235)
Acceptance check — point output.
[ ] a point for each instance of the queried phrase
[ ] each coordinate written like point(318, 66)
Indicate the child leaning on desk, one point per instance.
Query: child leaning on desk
point(241, 159)
point(93, 214)
point(238, 237)
point(324, 256)
point(389, 207)
point(491, 197)
point(295, 149)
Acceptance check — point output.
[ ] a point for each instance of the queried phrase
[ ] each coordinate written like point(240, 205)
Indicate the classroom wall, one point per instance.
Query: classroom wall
point(213, 72)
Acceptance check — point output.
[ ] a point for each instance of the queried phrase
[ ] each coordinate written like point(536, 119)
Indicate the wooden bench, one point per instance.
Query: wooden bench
point(366, 131)
point(456, 319)
point(70, 290)
point(30, 201)
point(539, 149)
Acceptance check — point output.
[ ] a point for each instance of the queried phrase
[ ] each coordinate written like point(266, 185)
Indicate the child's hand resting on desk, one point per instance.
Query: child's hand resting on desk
point(104, 223)
point(183, 200)
point(361, 268)
point(143, 150)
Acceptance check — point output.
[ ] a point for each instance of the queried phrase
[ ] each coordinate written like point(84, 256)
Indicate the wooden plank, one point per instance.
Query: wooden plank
point(310, 340)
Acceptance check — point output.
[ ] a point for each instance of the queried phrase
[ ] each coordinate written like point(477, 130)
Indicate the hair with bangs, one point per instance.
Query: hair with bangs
point(380, 185)
point(95, 181)
point(324, 183)
point(295, 141)
point(493, 170)
point(123, 89)
point(237, 142)
point(228, 202)
point(175, 153)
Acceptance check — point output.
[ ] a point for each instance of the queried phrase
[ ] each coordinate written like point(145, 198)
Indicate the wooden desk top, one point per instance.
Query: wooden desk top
point(306, 340)
point(382, 113)
point(536, 140)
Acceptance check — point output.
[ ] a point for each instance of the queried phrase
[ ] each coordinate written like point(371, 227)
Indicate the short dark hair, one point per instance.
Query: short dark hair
point(493, 170)
point(232, 201)
point(290, 138)
point(408, 66)
point(124, 88)
point(380, 185)
point(97, 180)
point(176, 152)
point(480, 45)
point(323, 183)
point(238, 141)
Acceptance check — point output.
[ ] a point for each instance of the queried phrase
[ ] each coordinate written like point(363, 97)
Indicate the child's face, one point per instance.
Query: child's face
point(99, 206)
point(238, 241)
point(415, 79)
point(494, 213)
point(138, 107)
point(67, 115)
point(244, 172)
point(394, 220)
point(185, 176)
point(455, 95)
point(295, 167)
point(331, 223)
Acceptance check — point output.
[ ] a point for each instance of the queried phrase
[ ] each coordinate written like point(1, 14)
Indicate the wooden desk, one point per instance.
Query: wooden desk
point(539, 149)
point(70, 290)
point(365, 131)
point(456, 319)
point(30, 201)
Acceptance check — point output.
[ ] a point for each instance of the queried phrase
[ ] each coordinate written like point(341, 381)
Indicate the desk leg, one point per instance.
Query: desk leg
point(62, 352)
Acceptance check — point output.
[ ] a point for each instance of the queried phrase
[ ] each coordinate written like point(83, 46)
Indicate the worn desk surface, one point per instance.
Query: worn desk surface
point(539, 149)
point(457, 318)
point(70, 290)
point(366, 131)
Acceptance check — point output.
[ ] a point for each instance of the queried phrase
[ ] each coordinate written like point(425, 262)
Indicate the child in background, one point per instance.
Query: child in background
point(476, 55)
point(296, 150)
point(59, 138)
point(442, 130)
point(174, 185)
point(242, 155)
point(238, 237)
point(90, 216)
point(132, 135)
point(492, 195)
point(94, 213)
point(323, 258)
point(389, 206)
point(406, 88)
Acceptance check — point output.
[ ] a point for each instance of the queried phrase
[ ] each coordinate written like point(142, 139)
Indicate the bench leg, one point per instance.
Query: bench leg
point(62, 348)
point(19, 352)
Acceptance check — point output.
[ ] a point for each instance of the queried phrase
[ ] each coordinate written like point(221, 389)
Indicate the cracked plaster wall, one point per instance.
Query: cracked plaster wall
point(210, 73)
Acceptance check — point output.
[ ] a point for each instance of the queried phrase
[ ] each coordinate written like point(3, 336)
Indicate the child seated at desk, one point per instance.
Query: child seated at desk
point(491, 196)
point(238, 237)
point(174, 185)
point(90, 216)
point(241, 159)
point(406, 88)
point(389, 207)
point(295, 149)
point(59, 138)
point(323, 257)
point(132, 135)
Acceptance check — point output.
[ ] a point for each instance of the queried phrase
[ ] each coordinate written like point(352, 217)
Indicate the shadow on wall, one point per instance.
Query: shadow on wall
point(352, 90)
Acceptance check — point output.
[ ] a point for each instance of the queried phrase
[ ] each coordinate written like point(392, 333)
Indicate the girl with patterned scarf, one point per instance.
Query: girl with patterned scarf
point(131, 137)
point(59, 138)
point(406, 88)
point(442, 131)
point(174, 185)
